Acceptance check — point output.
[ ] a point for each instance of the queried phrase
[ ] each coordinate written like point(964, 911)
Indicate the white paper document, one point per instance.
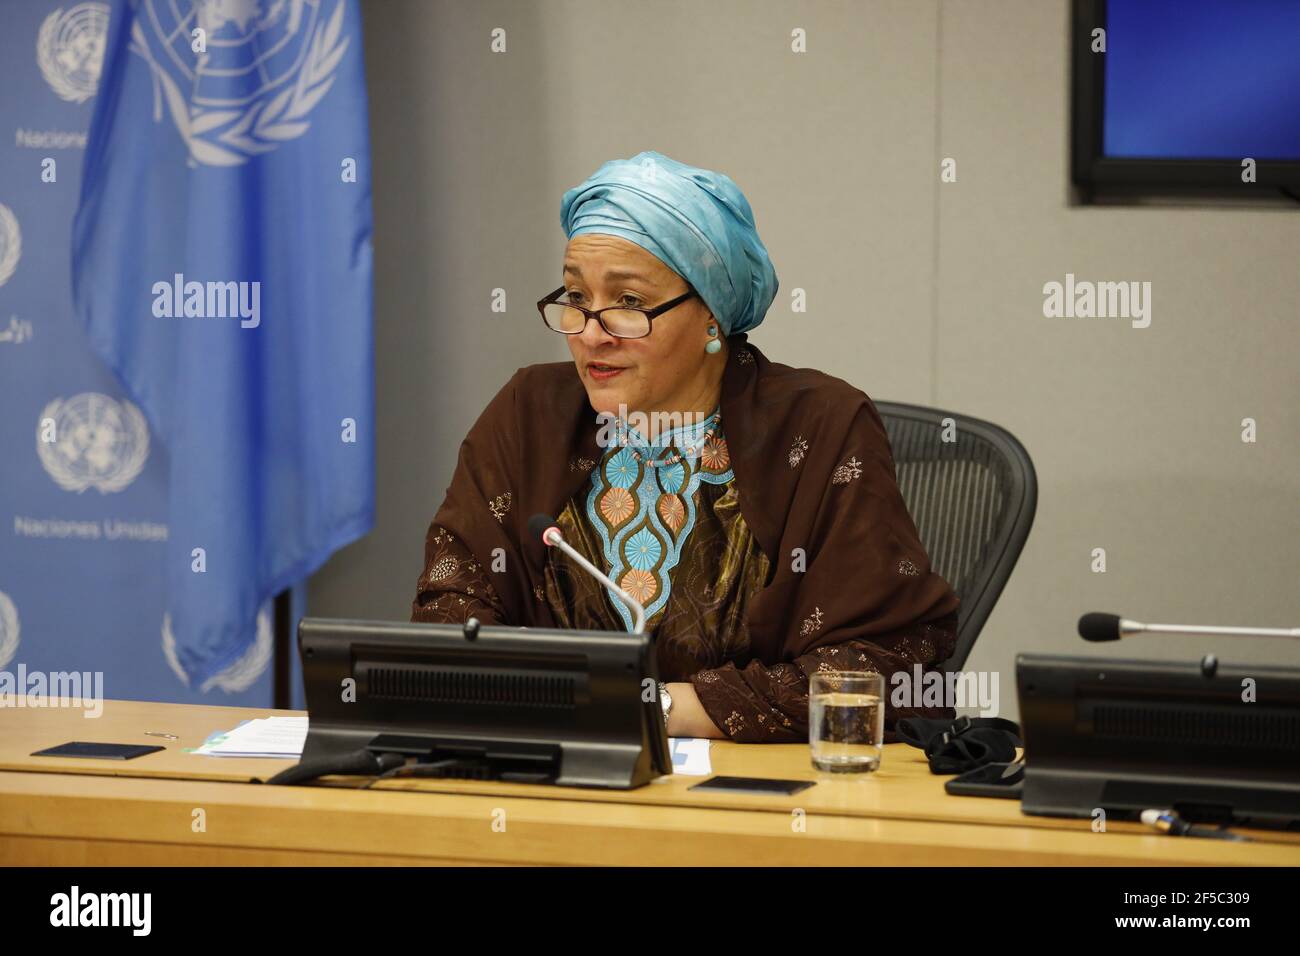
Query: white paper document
point(281, 737)
point(690, 756)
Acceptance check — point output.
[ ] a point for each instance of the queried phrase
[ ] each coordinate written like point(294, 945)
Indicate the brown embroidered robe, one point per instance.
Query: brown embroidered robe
point(805, 560)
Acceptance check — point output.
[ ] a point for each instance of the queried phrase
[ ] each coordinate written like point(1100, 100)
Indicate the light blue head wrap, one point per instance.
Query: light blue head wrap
point(697, 222)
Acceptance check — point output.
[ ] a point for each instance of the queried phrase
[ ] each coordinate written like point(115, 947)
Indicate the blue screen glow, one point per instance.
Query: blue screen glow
point(1202, 79)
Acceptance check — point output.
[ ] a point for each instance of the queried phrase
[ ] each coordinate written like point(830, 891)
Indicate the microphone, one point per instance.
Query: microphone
point(544, 527)
point(1096, 626)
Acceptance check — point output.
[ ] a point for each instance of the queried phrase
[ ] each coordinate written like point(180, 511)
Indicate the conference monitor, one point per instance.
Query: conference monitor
point(529, 705)
point(1215, 743)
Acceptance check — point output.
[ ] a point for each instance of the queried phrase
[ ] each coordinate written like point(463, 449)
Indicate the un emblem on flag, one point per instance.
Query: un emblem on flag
point(70, 50)
point(11, 243)
point(263, 66)
point(240, 675)
point(8, 629)
point(96, 442)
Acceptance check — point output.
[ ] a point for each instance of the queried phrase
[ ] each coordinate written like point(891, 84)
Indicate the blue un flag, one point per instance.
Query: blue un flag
point(222, 267)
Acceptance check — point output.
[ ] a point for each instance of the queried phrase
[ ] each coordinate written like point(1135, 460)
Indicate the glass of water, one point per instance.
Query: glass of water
point(846, 720)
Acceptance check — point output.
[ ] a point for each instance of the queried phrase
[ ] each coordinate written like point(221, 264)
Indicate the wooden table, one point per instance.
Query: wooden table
point(173, 807)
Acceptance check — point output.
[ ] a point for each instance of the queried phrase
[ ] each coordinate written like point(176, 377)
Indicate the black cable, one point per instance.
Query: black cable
point(357, 762)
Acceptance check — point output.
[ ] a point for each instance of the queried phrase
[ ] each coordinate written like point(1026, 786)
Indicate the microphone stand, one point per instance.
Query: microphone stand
point(553, 537)
point(1099, 627)
point(1128, 628)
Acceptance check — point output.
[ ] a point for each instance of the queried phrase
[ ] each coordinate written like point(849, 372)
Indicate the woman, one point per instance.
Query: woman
point(751, 507)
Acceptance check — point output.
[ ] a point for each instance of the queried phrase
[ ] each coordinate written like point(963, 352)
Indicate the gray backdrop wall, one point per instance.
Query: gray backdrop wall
point(917, 290)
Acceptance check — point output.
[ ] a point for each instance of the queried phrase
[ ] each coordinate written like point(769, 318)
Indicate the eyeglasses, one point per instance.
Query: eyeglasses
point(619, 321)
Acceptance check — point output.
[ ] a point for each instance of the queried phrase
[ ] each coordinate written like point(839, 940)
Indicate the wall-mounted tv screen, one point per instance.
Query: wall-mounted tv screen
point(1179, 95)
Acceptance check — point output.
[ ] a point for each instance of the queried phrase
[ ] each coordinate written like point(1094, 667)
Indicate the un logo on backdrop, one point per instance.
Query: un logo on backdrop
point(70, 50)
point(11, 243)
point(98, 442)
point(8, 629)
point(240, 675)
point(267, 63)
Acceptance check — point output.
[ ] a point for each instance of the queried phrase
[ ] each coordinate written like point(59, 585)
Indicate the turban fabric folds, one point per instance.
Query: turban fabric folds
point(697, 222)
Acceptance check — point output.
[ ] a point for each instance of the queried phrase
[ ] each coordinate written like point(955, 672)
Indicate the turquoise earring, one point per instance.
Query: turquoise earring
point(714, 345)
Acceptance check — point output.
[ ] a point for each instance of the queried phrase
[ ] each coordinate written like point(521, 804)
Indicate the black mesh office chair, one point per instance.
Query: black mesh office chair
point(973, 502)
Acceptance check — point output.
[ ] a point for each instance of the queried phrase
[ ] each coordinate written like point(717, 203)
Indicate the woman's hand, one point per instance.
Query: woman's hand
point(688, 717)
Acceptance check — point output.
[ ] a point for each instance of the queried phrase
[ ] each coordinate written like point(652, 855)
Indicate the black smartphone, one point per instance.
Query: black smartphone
point(990, 780)
point(80, 748)
point(752, 785)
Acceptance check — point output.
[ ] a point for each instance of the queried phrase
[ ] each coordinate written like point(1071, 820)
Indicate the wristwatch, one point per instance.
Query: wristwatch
point(665, 701)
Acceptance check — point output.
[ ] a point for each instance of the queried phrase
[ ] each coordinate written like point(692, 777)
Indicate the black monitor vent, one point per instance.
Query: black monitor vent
point(499, 688)
point(1242, 726)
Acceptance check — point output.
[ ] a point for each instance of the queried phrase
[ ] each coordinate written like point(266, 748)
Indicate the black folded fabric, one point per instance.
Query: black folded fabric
point(955, 746)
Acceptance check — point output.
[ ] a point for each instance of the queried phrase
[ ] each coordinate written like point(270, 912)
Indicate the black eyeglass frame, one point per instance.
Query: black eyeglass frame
point(650, 314)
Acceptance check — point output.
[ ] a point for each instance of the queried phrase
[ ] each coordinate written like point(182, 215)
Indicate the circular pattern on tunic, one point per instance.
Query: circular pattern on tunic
point(673, 512)
point(616, 505)
point(640, 584)
point(671, 477)
point(714, 455)
point(623, 469)
point(643, 550)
